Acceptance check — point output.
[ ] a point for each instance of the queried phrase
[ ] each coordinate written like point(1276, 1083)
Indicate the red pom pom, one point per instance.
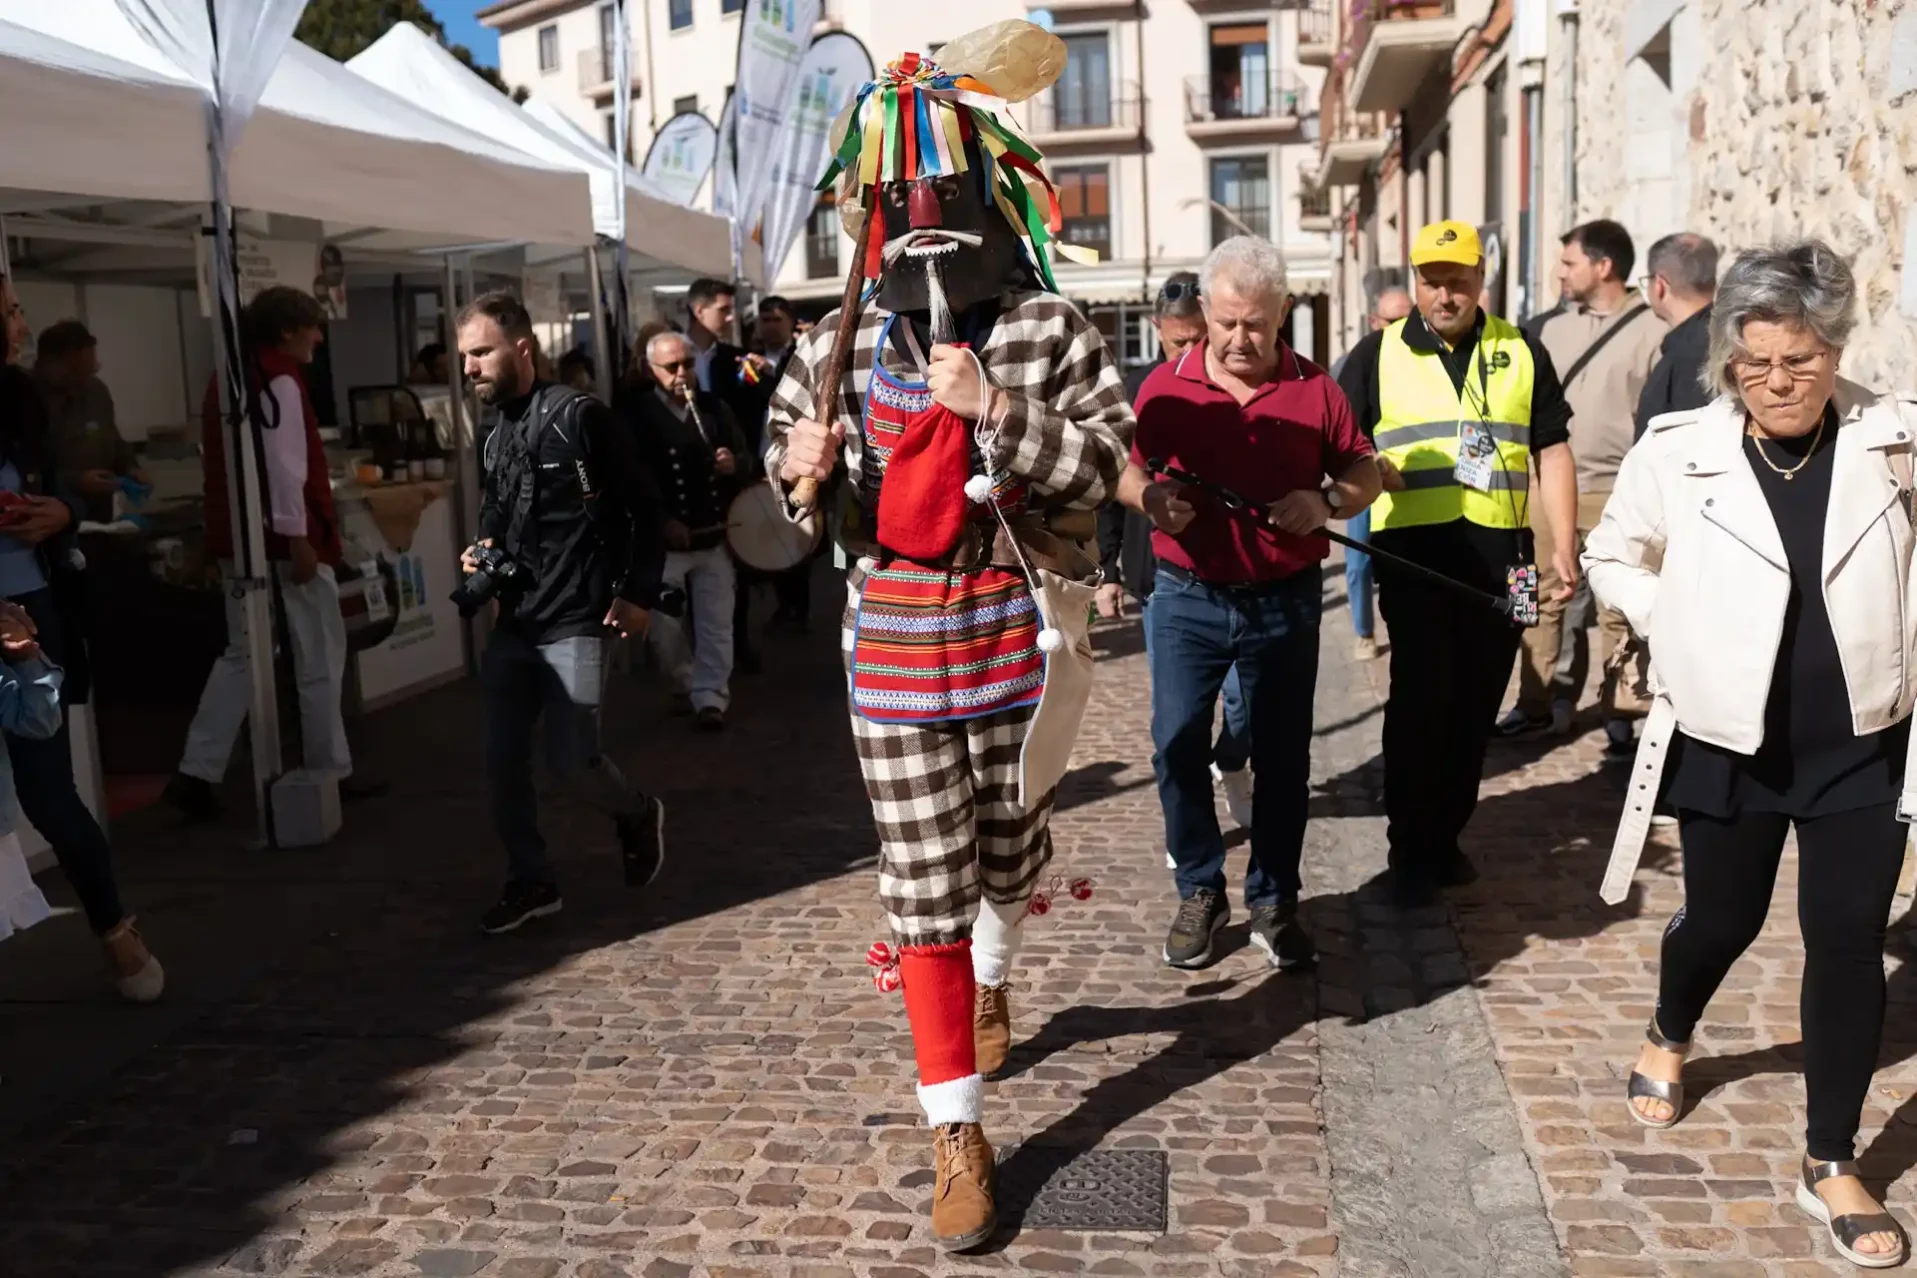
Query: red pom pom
point(1041, 904)
point(887, 980)
point(880, 955)
point(1081, 889)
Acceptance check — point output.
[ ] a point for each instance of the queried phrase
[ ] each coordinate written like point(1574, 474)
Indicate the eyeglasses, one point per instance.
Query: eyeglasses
point(677, 366)
point(1801, 368)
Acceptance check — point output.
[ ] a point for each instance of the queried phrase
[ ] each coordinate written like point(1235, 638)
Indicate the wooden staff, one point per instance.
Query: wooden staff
point(805, 493)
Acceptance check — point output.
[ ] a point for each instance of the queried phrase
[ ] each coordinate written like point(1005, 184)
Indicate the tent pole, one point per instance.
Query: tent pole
point(248, 579)
point(601, 329)
point(467, 480)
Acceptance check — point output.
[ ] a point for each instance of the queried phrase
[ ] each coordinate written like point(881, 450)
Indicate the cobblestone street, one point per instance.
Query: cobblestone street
point(701, 1080)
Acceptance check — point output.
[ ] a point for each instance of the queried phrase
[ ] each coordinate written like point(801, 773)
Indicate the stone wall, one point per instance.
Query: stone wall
point(1794, 118)
point(1795, 132)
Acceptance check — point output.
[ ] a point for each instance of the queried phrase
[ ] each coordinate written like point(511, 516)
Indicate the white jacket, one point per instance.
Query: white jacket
point(1689, 553)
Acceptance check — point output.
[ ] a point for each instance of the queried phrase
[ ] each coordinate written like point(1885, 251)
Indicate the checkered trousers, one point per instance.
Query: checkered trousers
point(945, 800)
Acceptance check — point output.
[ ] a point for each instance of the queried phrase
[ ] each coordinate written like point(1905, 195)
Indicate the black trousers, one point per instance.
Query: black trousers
point(1847, 873)
point(1451, 659)
point(49, 796)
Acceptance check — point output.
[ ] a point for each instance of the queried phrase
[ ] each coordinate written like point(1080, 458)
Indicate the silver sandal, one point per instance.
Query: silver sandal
point(1845, 1231)
point(1642, 1086)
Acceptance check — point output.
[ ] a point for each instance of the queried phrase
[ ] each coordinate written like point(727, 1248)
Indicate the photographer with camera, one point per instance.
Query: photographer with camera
point(570, 551)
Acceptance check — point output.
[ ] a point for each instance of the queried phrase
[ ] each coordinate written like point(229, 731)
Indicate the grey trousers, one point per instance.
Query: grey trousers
point(562, 683)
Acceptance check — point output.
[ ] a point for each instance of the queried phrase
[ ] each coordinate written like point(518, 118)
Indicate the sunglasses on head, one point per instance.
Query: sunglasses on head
point(1178, 290)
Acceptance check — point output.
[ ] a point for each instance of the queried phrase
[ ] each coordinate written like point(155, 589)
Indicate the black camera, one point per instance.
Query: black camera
point(495, 576)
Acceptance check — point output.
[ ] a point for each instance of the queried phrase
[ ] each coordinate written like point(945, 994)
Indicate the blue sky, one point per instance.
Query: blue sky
point(461, 29)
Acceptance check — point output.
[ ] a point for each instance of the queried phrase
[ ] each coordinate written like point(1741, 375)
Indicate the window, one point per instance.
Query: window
point(1241, 185)
point(681, 106)
point(1241, 78)
point(679, 14)
point(1082, 97)
point(612, 130)
point(731, 6)
point(1085, 205)
point(549, 48)
point(822, 241)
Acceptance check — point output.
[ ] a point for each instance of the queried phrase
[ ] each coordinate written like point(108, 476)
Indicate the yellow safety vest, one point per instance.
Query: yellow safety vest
point(1422, 417)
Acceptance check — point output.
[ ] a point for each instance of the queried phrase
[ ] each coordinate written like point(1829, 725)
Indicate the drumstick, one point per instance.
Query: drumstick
point(805, 493)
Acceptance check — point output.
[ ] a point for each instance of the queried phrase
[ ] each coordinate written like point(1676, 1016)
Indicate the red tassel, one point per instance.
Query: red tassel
point(885, 964)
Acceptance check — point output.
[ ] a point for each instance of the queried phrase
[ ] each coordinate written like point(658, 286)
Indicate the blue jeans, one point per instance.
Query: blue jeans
point(1358, 574)
point(1199, 633)
point(1232, 753)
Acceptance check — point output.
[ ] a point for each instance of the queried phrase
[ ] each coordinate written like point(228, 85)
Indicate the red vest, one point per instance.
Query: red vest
point(322, 522)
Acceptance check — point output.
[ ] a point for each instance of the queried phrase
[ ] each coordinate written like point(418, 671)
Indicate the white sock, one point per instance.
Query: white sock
point(961, 1100)
point(996, 934)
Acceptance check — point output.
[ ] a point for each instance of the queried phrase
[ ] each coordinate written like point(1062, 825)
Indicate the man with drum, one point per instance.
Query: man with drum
point(694, 448)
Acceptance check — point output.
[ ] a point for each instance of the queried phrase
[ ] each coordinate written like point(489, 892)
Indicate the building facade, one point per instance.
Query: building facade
point(1175, 124)
point(1745, 120)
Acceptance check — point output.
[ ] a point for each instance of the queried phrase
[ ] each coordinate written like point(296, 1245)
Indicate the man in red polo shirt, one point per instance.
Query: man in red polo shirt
point(1240, 587)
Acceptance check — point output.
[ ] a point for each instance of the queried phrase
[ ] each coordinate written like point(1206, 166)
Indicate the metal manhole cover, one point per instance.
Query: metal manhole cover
point(1102, 1189)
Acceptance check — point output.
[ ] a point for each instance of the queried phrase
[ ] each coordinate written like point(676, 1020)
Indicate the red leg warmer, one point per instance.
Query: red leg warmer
point(938, 1001)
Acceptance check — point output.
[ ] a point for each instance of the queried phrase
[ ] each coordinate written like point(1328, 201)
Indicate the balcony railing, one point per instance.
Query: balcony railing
point(1231, 99)
point(1120, 109)
point(1313, 202)
point(1364, 15)
point(596, 67)
point(1314, 23)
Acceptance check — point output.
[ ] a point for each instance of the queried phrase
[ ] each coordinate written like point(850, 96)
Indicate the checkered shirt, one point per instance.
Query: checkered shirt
point(1068, 426)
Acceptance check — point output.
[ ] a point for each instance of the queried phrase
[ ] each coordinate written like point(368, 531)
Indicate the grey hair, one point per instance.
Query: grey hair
point(1687, 261)
point(659, 339)
point(1248, 263)
point(1805, 283)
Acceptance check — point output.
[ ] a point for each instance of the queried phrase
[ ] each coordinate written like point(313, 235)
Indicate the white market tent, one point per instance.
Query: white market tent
point(408, 62)
point(68, 110)
point(374, 169)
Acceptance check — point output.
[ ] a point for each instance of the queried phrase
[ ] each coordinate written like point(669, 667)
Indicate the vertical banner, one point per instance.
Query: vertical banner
point(681, 155)
point(834, 68)
point(773, 38)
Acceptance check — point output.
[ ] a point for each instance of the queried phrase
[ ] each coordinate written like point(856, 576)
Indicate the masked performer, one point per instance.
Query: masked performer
point(974, 408)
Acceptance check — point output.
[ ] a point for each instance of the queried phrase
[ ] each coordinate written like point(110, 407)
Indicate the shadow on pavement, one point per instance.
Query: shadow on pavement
point(313, 991)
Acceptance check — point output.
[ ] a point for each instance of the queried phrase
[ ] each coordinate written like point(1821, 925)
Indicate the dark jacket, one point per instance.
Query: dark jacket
point(1674, 386)
point(748, 401)
point(678, 455)
point(589, 529)
point(1124, 535)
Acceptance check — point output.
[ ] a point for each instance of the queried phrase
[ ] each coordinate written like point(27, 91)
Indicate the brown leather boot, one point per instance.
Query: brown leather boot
point(963, 1216)
point(991, 1028)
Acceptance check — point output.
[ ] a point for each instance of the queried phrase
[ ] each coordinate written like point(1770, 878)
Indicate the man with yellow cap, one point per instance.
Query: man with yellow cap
point(1458, 403)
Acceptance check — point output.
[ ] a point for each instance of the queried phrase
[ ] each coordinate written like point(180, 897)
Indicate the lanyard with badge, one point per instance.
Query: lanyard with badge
point(1477, 470)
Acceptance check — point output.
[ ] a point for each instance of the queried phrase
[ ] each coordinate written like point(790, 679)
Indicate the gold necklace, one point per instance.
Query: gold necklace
point(1757, 437)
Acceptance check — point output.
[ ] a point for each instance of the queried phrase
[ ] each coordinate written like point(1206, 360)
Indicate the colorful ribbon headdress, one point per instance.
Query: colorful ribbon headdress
point(914, 121)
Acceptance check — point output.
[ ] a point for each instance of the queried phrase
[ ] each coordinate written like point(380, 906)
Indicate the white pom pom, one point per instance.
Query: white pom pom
point(979, 488)
point(1050, 639)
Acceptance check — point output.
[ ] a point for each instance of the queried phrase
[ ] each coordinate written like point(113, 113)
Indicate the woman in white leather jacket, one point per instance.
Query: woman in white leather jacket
point(1762, 546)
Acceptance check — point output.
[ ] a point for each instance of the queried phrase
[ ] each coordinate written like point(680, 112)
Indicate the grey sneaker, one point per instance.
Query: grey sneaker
point(1195, 929)
point(1275, 929)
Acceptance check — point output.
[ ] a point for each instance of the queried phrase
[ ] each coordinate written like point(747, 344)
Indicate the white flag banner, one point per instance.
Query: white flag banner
point(834, 69)
point(773, 38)
point(725, 170)
point(681, 155)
